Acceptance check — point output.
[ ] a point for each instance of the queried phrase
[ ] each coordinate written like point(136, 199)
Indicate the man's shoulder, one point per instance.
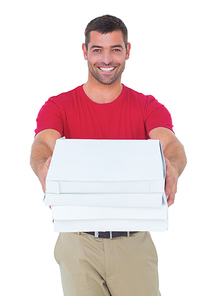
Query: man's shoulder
point(135, 94)
point(66, 95)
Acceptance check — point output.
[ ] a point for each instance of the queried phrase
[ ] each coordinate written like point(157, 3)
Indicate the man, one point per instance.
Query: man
point(103, 108)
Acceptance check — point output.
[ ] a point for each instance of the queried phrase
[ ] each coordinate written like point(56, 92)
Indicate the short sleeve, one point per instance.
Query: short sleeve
point(49, 117)
point(156, 115)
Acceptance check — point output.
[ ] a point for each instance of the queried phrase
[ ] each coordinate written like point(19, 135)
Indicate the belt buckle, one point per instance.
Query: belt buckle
point(96, 234)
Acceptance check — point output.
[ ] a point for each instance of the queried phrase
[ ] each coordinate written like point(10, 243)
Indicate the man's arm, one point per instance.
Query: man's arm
point(175, 159)
point(42, 150)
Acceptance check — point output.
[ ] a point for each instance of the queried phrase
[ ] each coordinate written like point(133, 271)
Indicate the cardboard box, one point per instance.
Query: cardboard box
point(153, 200)
point(96, 213)
point(106, 166)
point(107, 185)
point(110, 225)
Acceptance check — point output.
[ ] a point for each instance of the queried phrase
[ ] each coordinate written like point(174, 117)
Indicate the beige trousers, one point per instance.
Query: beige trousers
point(123, 266)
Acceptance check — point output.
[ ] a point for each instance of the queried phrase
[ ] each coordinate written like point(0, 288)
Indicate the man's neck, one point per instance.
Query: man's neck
point(101, 93)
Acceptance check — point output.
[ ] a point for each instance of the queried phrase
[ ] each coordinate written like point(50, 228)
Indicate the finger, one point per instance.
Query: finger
point(168, 184)
point(171, 200)
point(171, 183)
point(170, 191)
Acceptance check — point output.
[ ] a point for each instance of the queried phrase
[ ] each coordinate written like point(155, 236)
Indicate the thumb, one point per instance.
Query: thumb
point(166, 161)
point(47, 164)
point(45, 171)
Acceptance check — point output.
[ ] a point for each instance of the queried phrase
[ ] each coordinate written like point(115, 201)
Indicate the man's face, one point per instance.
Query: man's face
point(106, 56)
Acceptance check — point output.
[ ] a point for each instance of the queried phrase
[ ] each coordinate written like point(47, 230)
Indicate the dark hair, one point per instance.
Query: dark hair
point(106, 24)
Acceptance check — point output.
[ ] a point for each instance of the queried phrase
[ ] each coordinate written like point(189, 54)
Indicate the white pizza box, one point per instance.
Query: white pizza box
point(110, 225)
point(100, 213)
point(104, 200)
point(83, 219)
point(106, 166)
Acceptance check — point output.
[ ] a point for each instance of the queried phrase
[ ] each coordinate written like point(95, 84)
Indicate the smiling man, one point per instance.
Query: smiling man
point(106, 55)
point(114, 263)
point(106, 61)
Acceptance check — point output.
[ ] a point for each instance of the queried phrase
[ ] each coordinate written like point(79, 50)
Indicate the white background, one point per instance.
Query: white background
point(41, 56)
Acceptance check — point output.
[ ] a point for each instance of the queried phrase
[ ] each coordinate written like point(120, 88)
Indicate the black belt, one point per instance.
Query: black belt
point(111, 234)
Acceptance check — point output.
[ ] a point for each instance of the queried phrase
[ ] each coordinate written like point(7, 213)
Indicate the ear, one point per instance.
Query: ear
point(84, 51)
point(128, 50)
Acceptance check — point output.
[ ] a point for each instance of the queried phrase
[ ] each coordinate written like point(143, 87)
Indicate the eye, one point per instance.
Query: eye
point(117, 50)
point(97, 50)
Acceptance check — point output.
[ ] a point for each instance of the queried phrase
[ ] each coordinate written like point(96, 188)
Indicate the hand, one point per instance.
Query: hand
point(43, 173)
point(171, 182)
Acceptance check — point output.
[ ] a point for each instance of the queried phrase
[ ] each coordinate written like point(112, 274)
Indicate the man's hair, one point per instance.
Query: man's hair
point(106, 24)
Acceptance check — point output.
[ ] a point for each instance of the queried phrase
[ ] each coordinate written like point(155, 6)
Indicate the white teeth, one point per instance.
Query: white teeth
point(107, 69)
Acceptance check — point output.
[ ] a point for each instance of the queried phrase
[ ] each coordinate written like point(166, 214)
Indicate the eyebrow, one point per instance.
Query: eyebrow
point(114, 46)
point(120, 46)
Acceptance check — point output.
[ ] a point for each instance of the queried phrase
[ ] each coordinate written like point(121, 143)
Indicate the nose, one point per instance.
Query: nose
point(107, 58)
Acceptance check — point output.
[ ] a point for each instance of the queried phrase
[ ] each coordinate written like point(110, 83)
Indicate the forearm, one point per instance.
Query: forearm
point(42, 150)
point(175, 153)
point(39, 154)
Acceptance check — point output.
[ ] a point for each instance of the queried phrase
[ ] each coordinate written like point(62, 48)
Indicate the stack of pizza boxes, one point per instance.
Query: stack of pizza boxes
point(107, 185)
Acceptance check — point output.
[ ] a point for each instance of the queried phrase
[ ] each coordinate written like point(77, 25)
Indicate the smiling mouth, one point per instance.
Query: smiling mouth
point(107, 69)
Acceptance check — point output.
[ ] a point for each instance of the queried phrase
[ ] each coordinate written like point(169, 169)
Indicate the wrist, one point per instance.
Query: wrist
point(174, 165)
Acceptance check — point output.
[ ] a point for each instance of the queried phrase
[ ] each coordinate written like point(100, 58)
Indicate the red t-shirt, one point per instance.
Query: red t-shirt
point(131, 116)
